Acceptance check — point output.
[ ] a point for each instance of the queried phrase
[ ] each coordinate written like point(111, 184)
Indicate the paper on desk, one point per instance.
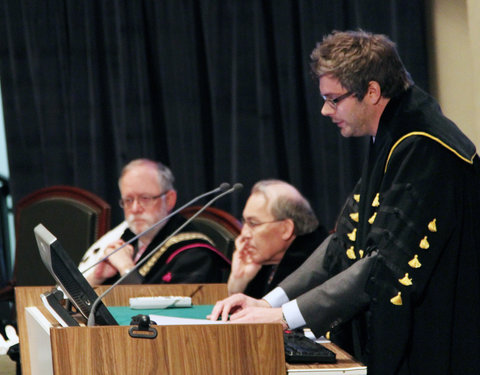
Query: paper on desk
point(162, 320)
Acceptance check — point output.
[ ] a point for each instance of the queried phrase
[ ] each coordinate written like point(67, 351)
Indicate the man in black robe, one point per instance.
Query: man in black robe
point(148, 196)
point(400, 277)
point(280, 230)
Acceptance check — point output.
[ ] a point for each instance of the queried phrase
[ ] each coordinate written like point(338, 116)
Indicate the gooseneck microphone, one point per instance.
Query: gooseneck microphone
point(221, 188)
point(237, 186)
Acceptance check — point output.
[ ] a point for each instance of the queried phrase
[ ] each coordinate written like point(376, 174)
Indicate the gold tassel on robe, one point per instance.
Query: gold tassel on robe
point(376, 201)
point(415, 263)
point(353, 235)
point(406, 280)
point(351, 253)
point(432, 226)
point(397, 300)
point(424, 243)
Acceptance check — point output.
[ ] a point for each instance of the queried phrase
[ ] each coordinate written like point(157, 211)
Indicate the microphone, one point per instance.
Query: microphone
point(91, 317)
point(221, 188)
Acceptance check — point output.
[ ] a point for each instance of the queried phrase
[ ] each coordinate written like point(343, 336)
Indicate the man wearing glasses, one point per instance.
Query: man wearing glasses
point(148, 196)
point(279, 232)
point(399, 279)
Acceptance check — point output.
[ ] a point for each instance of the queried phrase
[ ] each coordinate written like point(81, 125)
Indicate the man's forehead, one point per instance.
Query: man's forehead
point(329, 84)
point(257, 204)
point(140, 178)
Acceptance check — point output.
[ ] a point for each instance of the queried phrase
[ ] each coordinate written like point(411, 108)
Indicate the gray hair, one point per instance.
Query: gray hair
point(289, 206)
point(165, 175)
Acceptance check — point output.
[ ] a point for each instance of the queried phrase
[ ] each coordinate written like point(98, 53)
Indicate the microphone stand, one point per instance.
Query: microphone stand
point(91, 317)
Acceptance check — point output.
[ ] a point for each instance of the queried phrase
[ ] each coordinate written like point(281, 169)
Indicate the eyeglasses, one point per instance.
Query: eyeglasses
point(252, 224)
point(142, 200)
point(334, 102)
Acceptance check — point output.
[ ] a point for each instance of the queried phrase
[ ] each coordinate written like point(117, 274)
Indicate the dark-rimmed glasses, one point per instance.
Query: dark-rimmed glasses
point(334, 102)
point(142, 200)
point(252, 224)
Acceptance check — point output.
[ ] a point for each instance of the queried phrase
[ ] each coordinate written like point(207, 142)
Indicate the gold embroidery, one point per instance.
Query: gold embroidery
point(187, 236)
point(432, 226)
point(353, 235)
point(361, 253)
point(415, 263)
point(372, 219)
point(397, 300)
point(354, 216)
point(424, 243)
point(406, 280)
point(356, 197)
point(351, 253)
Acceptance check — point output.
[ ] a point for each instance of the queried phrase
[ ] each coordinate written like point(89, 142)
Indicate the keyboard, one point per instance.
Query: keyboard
point(301, 349)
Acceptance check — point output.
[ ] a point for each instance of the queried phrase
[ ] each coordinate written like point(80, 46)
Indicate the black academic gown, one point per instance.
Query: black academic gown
point(188, 257)
point(299, 250)
point(401, 275)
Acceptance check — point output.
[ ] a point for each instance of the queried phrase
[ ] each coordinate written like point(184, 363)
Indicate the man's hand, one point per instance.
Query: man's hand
point(243, 268)
point(258, 315)
point(235, 304)
point(120, 262)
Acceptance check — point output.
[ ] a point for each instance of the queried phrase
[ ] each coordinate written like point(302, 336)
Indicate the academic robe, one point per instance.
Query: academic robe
point(187, 257)
point(401, 275)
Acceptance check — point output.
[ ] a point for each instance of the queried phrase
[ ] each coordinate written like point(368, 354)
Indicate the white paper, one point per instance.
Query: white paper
point(170, 320)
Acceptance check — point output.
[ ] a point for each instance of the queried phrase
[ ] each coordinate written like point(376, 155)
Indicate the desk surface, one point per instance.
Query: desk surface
point(345, 364)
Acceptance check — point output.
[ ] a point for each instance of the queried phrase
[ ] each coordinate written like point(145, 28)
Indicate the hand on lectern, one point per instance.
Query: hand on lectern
point(235, 304)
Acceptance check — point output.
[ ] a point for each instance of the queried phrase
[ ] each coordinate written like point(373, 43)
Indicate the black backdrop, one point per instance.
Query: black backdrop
point(220, 90)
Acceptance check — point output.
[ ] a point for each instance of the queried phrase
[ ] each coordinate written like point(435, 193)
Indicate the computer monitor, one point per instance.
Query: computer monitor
point(69, 278)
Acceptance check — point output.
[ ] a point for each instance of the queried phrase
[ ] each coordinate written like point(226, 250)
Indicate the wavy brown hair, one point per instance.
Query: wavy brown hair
point(357, 57)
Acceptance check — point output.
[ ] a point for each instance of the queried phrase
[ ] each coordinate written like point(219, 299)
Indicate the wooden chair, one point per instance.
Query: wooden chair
point(75, 216)
point(217, 224)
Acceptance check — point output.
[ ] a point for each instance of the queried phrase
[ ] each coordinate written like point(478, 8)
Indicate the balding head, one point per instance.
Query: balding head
point(285, 202)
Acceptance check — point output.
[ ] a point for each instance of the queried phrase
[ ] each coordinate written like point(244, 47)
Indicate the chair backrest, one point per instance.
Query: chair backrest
point(75, 216)
point(219, 225)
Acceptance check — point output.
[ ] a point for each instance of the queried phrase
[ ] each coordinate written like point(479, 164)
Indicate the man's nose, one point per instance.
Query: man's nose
point(327, 110)
point(246, 231)
point(136, 206)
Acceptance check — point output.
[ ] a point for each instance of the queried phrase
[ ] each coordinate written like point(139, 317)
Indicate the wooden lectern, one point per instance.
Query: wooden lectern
point(194, 349)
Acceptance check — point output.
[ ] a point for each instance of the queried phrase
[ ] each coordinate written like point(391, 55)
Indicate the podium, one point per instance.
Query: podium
point(188, 349)
point(193, 349)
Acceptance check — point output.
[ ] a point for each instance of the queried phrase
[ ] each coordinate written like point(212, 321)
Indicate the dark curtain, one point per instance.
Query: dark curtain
point(219, 90)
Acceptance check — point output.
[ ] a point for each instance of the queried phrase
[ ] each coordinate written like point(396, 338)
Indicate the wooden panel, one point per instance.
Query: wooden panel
point(190, 350)
point(203, 294)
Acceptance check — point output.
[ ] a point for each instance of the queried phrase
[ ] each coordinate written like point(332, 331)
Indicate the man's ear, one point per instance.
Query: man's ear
point(289, 229)
point(374, 92)
point(171, 199)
